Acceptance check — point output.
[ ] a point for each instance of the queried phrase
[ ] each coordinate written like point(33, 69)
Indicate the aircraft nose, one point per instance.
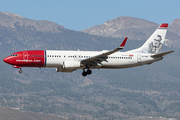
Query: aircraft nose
point(7, 60)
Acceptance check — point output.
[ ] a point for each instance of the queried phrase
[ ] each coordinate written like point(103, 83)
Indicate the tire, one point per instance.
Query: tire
point(20, 71)
point(84, 74)
point(89, 72)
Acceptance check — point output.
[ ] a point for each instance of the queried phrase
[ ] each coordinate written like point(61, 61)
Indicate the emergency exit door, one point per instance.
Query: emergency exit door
point(139, 58)
point(25, 55)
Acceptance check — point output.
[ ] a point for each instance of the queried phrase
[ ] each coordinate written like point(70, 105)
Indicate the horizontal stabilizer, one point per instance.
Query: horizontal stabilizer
point(162, 54)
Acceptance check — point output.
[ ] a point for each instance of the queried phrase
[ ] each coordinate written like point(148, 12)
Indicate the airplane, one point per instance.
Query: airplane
point(69, 61)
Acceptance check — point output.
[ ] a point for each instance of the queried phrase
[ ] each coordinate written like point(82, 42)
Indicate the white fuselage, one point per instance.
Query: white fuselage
point(55, 58)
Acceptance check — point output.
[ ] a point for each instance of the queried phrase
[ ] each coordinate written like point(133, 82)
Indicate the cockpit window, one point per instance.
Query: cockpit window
point(13, 55)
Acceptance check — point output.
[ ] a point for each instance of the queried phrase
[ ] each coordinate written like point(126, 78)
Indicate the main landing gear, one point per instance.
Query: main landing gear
point(85, 73)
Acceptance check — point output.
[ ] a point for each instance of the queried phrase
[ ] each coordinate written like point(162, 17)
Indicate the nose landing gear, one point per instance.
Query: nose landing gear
point(15, 66)
point(85, 73)
point(20, 71)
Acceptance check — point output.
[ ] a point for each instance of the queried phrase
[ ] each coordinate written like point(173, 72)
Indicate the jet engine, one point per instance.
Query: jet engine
point(71, 64)
point(64, 70)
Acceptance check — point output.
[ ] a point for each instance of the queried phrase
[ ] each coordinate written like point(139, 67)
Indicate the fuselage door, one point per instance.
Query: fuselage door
point(139, 58)
point(25, 55)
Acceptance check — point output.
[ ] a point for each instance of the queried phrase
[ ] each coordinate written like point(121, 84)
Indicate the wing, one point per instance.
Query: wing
point(96, 60)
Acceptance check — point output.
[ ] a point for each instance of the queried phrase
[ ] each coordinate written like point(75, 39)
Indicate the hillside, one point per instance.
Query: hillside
point(146, 92)
point(11, 20)
point(10, 114)
point(135, 29)
point(174, 35)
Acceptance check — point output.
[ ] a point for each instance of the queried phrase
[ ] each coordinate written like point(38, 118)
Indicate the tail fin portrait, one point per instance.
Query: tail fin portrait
point(155, 42)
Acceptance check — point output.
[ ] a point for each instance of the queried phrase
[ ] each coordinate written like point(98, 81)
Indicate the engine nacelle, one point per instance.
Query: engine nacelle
point(64, 70)
point(71, 64)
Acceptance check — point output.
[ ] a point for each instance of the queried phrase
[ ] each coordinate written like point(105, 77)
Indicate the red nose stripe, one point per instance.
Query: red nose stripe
point(33, 58)
point(7, 60)
point(4, 59)
point(29, 58)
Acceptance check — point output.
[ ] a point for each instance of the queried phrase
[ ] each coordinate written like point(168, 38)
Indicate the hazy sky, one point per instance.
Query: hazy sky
point(82, 14)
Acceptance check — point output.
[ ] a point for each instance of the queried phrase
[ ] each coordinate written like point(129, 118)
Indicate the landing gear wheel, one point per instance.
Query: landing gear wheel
point(20, 71)
point(89, 72)
point(84, 74)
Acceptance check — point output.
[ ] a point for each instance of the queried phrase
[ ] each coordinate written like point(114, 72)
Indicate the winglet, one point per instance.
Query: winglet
point(123, 43)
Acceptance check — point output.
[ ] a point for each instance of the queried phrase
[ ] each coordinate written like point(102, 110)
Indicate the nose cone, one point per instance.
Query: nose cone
point(7, 60)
